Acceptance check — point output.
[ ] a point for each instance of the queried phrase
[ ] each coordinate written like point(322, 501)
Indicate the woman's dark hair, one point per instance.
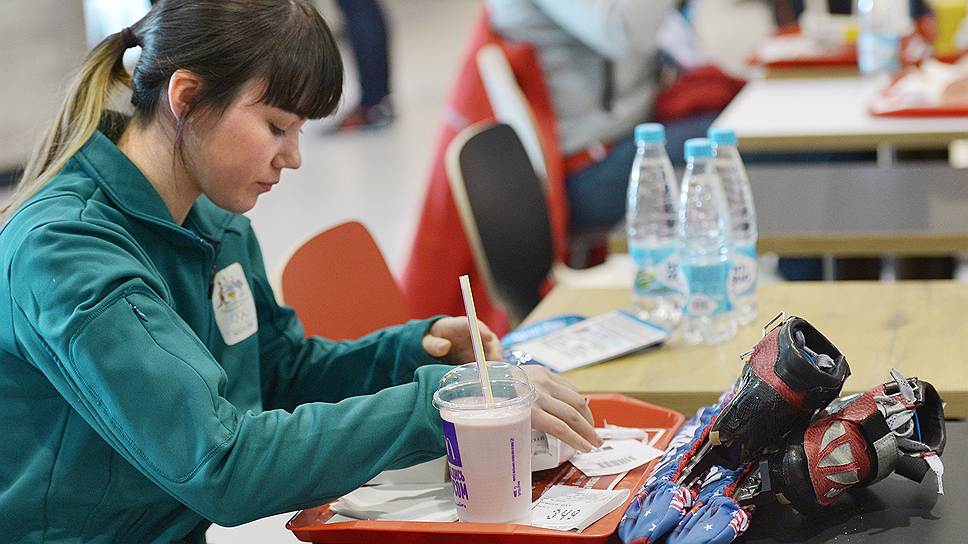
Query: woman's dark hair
point(230, 42)
point(285, 44)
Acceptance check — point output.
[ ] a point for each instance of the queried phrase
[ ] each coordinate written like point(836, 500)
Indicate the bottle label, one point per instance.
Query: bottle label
point(742, 273)
point(656, 271)
point(877, 52)
point(707, 285)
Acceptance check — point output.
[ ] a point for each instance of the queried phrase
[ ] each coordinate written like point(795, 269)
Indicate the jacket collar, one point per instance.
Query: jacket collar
point(133, 193)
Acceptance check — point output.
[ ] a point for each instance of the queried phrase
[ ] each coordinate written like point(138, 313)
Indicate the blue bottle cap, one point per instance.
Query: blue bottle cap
point(650, 133)
point(698, 147)
point(722, 136)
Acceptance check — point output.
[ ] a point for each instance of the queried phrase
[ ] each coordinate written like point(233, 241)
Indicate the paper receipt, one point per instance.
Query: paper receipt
point(615, 456)
point(565, 508)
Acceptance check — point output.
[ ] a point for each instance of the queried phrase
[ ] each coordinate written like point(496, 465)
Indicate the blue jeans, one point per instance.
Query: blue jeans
point(367, 30)
point(596, 194)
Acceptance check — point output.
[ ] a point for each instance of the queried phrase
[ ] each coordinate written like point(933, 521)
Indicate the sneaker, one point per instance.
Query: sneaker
point(372, 117)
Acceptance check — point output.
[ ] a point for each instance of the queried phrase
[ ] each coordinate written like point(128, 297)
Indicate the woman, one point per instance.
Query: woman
point(149, 384)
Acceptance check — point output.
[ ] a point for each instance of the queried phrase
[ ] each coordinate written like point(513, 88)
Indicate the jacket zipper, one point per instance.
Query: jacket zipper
point(137, 311)
point(211, 288)
point(212, 269)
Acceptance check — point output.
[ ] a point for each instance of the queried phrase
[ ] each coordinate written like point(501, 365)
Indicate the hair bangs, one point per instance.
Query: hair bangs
point(304, 72)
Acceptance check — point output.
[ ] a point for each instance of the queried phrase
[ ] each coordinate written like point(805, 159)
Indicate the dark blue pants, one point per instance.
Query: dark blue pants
point(596, 194)
point(366, 28)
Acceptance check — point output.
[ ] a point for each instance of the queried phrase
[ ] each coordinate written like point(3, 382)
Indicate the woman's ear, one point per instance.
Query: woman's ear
point(183, 88)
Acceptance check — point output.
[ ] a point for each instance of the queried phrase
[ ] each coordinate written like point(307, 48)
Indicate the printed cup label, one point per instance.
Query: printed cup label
point(450, 441)
point(515, 480)
point(453, 457)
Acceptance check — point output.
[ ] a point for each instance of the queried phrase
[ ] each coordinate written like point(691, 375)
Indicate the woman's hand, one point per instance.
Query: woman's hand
point(450, 339)
point(560, 411)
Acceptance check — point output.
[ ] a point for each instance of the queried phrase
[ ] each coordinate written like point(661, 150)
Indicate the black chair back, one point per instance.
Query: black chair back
point(504, 213)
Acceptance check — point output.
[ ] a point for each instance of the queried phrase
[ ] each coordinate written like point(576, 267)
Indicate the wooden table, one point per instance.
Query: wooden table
point(918, 327)
point(828, 114)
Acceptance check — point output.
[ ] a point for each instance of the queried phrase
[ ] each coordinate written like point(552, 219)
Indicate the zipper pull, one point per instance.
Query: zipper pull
point(139, 313)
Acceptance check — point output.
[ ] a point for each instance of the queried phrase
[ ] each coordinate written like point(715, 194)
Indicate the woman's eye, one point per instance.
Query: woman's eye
point(276, 130)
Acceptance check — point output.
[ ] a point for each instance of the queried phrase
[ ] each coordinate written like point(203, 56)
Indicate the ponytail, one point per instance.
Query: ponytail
point(77, 118)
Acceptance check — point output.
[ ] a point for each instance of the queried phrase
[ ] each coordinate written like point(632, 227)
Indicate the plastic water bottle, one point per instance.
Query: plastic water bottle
point(742, 215)
point(651, 227)
point(705, 248)
point(881, 25)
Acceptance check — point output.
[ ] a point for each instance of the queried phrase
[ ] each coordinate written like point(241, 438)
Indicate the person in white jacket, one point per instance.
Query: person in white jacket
point(598, 58)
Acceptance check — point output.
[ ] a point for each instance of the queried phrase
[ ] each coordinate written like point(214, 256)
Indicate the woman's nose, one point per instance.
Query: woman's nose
point(289, 156)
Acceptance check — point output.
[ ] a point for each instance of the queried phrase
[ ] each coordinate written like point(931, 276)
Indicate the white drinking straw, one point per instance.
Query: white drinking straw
point(465, 287)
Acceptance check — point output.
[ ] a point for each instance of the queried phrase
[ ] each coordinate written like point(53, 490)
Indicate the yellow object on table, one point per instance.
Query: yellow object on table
point(948, 15)
point(918, 327)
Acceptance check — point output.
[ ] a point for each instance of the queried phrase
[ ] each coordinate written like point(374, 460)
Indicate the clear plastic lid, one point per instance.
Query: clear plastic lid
point(460, 389)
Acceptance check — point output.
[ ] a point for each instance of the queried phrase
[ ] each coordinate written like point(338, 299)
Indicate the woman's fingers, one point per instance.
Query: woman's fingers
point(560, 411)
point(564, 391)
point(543, 421)
point(556, 386)
point(567, 423)
point(558, 378)
point(434, 346)
point(492, 344)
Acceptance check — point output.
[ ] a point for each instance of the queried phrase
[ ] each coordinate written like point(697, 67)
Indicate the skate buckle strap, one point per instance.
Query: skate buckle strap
point(934, 462)
point(757, 487)
point(690, 466)
point(903, 385)
point(778, 320)
point(885, 448)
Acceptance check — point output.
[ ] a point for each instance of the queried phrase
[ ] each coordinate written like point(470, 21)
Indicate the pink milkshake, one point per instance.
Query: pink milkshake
point(488, 446)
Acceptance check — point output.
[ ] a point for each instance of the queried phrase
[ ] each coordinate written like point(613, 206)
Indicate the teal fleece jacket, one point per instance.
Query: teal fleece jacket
point(126, 414)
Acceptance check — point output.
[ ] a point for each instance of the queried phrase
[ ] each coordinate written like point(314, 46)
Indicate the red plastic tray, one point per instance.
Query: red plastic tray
point(843, 57)
point(310, 525)
point(957, 111)
point(922, 112)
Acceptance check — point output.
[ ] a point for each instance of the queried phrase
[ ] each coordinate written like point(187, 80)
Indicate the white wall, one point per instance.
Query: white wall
point(42, 43)
point(105, 17)
point(729, 30)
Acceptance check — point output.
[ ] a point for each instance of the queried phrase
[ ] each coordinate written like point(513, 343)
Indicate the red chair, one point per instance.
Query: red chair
point(440, 251)
point(340, 286)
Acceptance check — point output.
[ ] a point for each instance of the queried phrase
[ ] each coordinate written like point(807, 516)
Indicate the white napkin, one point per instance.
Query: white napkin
point(399, 502)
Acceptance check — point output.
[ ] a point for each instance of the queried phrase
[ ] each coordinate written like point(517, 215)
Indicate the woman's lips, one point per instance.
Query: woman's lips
point(265, 187)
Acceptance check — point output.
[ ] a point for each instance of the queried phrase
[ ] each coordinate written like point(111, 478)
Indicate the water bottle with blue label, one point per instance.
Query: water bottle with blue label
point(881, 25)
point(742, 215)
point(651, 227)
point(706, 248)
